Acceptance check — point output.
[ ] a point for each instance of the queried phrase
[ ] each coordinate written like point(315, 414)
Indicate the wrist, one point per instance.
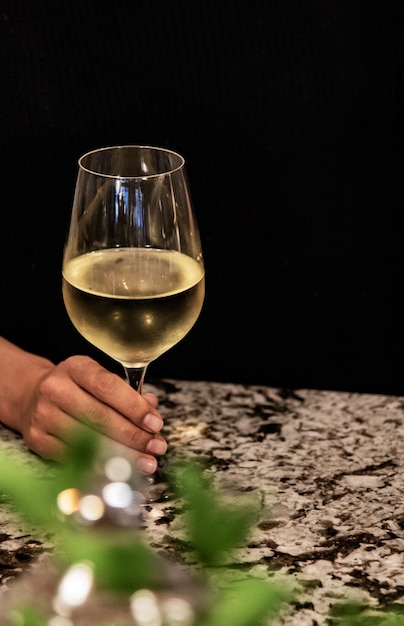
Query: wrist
point(20, 375)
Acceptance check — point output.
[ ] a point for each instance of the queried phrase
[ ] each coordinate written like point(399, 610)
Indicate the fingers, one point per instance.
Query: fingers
point(147, 464)
point(51, 448)
point(151, 398)
point(45, 445)
point(82, 388)
point(51, 440)
point(80, 393)
point(112, 390)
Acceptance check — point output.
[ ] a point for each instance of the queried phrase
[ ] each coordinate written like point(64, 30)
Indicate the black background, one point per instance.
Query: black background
point(289, 115)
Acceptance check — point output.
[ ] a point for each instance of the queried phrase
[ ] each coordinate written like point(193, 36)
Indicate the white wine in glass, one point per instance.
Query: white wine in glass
point(133, 272)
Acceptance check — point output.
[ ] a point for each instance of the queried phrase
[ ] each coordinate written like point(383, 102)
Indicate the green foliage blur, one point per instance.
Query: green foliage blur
point(213, 530)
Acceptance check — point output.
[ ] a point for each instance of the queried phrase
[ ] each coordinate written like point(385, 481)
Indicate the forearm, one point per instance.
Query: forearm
point(20, 372)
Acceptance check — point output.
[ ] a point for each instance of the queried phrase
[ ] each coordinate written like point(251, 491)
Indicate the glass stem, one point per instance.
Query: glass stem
point(135, 377)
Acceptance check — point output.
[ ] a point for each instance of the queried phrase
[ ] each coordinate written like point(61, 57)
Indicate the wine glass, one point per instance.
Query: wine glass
point(133, 272)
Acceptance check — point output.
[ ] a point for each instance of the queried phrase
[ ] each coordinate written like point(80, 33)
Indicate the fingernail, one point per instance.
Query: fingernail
point(153, 422)
point(156, 446)
point(147, 465)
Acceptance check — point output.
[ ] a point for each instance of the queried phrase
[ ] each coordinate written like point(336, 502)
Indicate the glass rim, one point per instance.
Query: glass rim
point(166, 172)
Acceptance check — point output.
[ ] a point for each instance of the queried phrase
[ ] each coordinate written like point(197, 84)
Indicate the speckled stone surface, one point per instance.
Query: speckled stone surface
point(327, 468)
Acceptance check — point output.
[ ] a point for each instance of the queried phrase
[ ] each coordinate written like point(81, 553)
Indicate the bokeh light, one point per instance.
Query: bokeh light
point(68, 501)
point(119, 495)
point(178, 612)
point(74, 588)
point(118, 469)
point(91, 508)
point(144, 608)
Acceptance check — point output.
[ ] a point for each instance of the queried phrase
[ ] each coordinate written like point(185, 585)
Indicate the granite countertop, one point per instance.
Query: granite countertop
point(326, 466)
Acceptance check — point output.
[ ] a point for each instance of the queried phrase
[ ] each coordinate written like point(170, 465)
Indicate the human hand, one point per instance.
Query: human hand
point(79, 393)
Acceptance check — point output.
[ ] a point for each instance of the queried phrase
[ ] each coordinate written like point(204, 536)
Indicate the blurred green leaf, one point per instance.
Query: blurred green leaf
point(356, 614)
point(214, 528)
point(121, 561)
point(27, 616)
point(247, 603)
point(34, 495)
point(215, 525)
